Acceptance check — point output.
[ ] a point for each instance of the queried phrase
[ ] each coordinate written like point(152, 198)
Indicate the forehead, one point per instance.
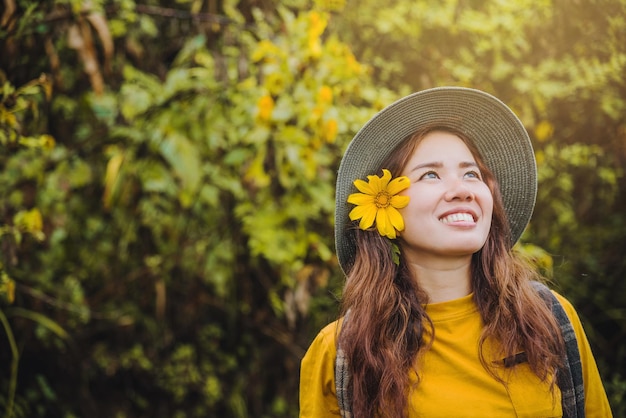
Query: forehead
point(440, 146)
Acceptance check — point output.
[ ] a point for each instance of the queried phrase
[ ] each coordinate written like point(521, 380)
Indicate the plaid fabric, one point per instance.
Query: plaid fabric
point(342, 379)
point(342, 382)
point(569, 378)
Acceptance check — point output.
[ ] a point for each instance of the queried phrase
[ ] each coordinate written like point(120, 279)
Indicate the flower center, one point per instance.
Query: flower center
point(383, 199)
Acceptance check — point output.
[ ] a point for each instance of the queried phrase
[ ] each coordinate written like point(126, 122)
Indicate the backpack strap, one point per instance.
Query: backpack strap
point(342, 383)
point(342, 379)
point(569, 377)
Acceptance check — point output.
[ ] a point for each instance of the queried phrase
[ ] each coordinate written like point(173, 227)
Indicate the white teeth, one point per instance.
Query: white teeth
point(458, 217)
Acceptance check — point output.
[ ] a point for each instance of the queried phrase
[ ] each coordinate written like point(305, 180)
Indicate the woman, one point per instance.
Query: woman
point(440, 317)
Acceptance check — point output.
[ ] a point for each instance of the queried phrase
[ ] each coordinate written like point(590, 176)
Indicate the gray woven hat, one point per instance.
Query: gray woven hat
point(495, 130)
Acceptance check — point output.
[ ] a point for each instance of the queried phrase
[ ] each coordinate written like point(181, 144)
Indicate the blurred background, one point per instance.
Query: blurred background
point(167, 176)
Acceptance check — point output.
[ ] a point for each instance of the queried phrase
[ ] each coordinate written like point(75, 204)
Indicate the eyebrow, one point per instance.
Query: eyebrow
point(438, 164)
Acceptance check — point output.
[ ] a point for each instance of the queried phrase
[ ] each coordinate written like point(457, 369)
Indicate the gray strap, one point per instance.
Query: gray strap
point(342, 383)
point(342, 379)
point(570, 376)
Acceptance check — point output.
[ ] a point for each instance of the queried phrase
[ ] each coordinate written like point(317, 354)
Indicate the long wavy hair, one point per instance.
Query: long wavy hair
point(388, 325)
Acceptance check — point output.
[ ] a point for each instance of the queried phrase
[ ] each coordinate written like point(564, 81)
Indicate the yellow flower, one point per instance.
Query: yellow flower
point(265, 107)
point(544, 130)
point(325, 95)
point(330, 130)
point(379, 201)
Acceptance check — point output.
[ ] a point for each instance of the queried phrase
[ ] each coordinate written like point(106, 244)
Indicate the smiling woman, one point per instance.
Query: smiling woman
point(440, 316)
point(449, 214)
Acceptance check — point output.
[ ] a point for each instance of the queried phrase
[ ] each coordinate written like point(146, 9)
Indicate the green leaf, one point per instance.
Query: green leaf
point(184, 158)
point(40, 319)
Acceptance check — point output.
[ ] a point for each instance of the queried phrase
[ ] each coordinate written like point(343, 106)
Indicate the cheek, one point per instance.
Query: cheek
point(486, 202)
point(415, 201)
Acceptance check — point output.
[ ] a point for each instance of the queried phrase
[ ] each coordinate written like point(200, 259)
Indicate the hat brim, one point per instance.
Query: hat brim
point(495, 130)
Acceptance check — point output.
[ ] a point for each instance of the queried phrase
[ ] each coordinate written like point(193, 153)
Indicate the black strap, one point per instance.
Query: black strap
point(570, 376)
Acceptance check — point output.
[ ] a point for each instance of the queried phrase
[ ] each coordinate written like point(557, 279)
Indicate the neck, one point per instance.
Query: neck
point(444, 283)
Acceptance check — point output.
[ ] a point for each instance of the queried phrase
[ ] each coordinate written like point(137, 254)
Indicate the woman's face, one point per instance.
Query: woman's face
point(449, 213)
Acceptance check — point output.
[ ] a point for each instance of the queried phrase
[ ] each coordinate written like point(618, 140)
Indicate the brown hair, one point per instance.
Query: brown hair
point(388, 324)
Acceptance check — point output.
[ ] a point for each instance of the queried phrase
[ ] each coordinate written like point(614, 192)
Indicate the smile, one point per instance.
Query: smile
point(457, 217)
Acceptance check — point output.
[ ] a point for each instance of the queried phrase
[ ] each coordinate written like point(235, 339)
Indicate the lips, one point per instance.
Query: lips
point(456, 217)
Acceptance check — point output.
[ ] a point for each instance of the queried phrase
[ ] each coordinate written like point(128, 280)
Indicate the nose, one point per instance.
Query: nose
point(459, 190)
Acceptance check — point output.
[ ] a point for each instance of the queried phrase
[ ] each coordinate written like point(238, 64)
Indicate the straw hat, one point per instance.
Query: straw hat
point(494, 129)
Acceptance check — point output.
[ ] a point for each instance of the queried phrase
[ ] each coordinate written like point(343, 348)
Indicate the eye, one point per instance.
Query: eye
point(429, 175)
point(473, 174)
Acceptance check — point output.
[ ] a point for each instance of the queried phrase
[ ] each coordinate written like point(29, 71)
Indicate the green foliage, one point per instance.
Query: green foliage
point(181, 228)
point(167, 180)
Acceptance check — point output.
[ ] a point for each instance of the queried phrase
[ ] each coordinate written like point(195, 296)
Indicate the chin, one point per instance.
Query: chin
point(466, 248)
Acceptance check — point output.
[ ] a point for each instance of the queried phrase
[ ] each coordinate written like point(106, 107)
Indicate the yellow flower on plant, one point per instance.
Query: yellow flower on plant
point(318, 24)
point(544, 130)
point(316, 29)
point(325, 95)
point(265, 107)
point(330, 130)
point(379, 202)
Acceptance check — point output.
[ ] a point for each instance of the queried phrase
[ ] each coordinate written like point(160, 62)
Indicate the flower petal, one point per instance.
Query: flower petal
point(398, 184)
point(375, 184)
point(383, 225)
point(361, 199)
point(364, 187)
point(360, 211)
point(368, 218)
point(384, 180)
point(395, 218)
point(399, 202)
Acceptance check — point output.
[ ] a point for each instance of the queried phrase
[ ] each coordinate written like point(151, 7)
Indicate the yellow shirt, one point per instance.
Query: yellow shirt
point(453, 381)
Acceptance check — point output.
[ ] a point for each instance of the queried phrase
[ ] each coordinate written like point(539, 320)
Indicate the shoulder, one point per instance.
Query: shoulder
point(317, 375)
point(596, 402)
point(325, 341)
point(331, 330)
point(567, 305)
point(568, 308)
